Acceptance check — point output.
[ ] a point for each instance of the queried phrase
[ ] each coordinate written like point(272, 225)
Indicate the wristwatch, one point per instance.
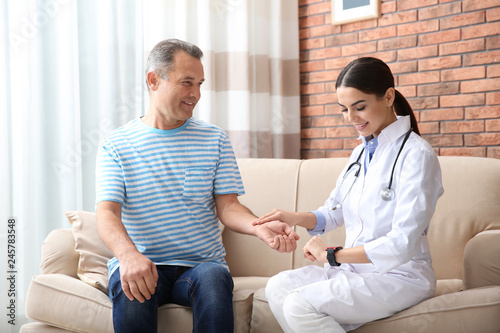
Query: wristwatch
point(330, 255)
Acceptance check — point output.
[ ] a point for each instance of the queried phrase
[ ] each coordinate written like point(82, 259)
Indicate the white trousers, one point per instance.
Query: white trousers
point(293, 312)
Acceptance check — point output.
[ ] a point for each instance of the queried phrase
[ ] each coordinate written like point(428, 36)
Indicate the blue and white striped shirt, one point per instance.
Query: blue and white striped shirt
point(165, 181)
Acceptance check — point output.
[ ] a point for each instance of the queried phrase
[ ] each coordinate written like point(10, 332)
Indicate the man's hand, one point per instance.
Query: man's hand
point(278, 235)
point(138, 276)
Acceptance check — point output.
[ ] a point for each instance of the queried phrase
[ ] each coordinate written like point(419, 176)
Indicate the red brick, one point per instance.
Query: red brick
point(341, 39)
point(428, 128)
point(403, 67)
point(418, 78)
point(482, 139)
point(439, 11)
point(397, 43)
point(328, 121)
point(360, 48)
point(481, 30)
point(462, 47)
point(315, 88)
point(326, 144)
point(493, 71)
point(493, 42)
point(459, 74)
point(311, 21)
point(357, 26)
point(410, 4)
point(493, 152)
point(315, 9)
point(408, 91)
point(493, 125)
point(309, 133)
point(322, 30)
point(341, 132)
point(351, 143)
point(462, 20)
point(470, 5)
point(312, 43)
point(398, 18)
point(462, 126)
point(482, 112)
point(493, 14)
point(325, 53)
point(338, 63)
point(418, 27)
point(310, 154)
point(493, 98)
point(311, 66)
point(440, 63)
point(439, 37)
point(323, 76)
point(465, 151)
point(418, 53)
point(445, 140)
point(442, 114)
point(423, 103)
point(338, 153)
point(481, 58)
point(480, 85)
point(378, 33)
point(322, 99)
point(317, 110)
point(387, 7)
point(333, 109)
point(438, 89)
point(388, 56)
point(461, 100)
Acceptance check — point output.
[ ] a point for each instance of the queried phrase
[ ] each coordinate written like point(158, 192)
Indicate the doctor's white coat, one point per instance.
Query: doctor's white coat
point(394, 233)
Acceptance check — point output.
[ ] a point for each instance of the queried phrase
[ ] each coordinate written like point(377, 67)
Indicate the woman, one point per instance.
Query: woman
point(385, 198)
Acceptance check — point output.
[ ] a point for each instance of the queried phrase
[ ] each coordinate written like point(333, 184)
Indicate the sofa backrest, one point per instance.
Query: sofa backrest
point(470, 205)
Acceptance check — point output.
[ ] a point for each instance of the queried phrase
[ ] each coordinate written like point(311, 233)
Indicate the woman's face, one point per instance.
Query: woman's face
point(368, 113)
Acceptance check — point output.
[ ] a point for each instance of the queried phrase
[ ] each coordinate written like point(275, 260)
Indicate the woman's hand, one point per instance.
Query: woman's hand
point(315, 249)
point(306, 220)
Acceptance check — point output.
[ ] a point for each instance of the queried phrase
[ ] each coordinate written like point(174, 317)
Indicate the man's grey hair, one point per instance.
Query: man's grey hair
point(161, 60)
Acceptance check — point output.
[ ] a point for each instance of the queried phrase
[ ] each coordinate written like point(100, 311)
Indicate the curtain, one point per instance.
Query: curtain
point(72, 71)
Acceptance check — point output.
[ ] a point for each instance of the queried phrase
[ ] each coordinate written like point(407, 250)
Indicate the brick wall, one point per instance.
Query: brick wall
point(445, 56)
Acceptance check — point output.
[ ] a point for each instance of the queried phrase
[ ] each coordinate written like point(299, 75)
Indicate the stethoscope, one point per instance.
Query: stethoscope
point(386, 193)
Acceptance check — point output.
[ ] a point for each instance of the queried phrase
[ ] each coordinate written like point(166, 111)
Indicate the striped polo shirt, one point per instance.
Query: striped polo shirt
point(165, 181)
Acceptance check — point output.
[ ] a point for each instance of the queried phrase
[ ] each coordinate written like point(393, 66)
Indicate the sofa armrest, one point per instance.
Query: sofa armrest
point(58, 253)
point(481, 266)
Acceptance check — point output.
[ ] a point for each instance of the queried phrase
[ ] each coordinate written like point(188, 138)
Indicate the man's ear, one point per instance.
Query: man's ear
point(153, 80)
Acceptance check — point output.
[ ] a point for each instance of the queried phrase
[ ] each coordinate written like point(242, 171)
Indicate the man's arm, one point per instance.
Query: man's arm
point(138, 274)
point(235, 216)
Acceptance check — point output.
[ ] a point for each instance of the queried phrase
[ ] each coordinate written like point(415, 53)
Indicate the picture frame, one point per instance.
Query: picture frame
point(348, 11)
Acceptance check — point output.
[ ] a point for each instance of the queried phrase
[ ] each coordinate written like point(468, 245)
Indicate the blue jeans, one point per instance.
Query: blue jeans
point(207, 288)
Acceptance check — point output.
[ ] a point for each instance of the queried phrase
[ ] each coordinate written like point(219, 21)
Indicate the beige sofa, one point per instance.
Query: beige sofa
point(464, 238)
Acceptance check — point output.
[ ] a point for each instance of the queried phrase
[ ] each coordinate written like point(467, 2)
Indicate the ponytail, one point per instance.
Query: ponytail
point(403, 108)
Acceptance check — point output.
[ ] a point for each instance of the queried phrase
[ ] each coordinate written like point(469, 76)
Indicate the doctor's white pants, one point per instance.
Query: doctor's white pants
point(346, 300)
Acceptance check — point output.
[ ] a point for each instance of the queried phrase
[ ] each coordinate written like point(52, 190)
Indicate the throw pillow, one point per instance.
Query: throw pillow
point(94, 254)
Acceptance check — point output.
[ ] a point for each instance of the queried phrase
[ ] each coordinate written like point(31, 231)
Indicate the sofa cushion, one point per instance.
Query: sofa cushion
point(94, 254)
point(466, 311)
point(58, 253)
point(68, 303)
point(482, 255)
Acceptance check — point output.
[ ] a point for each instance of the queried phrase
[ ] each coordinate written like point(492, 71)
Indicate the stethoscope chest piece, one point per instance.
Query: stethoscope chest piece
point(387, 194)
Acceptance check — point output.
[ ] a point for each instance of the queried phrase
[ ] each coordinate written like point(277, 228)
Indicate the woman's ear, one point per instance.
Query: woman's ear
point(390, 95)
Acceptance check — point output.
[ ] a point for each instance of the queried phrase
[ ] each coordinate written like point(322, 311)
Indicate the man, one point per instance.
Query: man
point(163, 181)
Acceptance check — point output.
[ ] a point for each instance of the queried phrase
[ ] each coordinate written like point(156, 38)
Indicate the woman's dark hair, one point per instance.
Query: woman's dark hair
point(373, 76)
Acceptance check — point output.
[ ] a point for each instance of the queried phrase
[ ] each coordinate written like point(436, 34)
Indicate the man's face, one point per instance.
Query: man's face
point(178, 94)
